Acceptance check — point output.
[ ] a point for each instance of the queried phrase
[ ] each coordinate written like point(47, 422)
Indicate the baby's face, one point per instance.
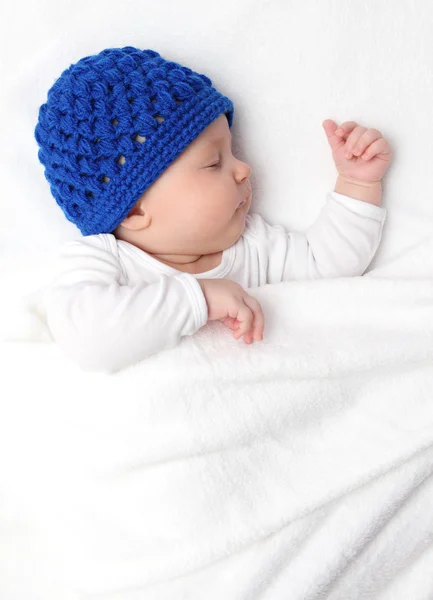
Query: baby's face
point(199, 204)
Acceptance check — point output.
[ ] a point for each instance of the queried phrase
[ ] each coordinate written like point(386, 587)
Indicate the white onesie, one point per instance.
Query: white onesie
point(111, 304)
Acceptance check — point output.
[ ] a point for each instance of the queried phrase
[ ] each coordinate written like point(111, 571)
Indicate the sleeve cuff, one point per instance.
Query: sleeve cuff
point(360, 207)
point(196, 297)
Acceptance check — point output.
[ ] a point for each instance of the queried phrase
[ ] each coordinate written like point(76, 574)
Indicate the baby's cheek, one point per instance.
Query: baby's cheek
point(218, 217)
point(203, 225)
point(208, 214)
point(192, 221)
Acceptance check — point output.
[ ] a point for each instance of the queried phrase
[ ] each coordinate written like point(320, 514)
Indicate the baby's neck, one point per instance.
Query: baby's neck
point(191, 264)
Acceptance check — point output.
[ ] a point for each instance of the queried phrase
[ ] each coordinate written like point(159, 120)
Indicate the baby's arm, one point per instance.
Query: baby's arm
point(344, 238)
point(102, 323)
point(340, 243)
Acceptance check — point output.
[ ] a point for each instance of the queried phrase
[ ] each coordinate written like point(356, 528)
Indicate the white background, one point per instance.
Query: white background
point(287, 66)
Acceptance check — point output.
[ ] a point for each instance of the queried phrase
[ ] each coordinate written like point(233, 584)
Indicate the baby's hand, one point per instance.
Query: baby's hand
point(358, 152)
point(229, 303)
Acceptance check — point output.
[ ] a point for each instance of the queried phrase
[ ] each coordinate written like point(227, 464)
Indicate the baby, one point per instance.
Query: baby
point(138, 154)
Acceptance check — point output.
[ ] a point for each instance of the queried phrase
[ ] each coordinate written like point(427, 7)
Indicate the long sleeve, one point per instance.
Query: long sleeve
point(345, 237)
point(340, 243)
point(103, 324)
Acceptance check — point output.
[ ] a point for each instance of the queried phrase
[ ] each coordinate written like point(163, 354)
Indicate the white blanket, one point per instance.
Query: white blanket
point(299, 467)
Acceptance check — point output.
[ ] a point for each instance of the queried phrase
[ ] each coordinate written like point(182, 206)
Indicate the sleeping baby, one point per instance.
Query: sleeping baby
point(138, 154)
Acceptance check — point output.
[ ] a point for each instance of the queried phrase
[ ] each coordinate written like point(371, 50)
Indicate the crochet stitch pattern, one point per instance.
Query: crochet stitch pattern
point(112, 123)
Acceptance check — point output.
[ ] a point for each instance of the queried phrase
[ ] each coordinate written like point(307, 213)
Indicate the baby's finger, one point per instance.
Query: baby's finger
point(259, 319)
point(248, 337)
point(345, 128)
point(367, 138)
point(379, 147)
point(353, 139)
point(245, 318)
point(231, 322)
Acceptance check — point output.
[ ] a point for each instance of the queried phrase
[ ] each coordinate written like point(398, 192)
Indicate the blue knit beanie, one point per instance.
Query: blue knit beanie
point(112, 123)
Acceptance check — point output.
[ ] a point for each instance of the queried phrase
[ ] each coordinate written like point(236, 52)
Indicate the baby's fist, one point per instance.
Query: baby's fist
point(229, 303)
point(358, 152)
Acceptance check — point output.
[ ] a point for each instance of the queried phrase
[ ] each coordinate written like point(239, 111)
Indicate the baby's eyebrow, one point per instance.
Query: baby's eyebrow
point(214, 142)
point(217, 140)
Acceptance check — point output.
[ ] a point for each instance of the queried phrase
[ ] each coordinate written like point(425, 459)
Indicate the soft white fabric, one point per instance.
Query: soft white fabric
point(299, 467)
point(111, 304)
point(287, 66)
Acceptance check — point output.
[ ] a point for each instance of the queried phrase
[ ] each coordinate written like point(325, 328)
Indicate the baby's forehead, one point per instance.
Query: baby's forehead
point(216, 134)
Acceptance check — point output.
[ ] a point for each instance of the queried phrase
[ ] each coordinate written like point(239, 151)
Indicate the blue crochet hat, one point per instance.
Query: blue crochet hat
point(112, 123)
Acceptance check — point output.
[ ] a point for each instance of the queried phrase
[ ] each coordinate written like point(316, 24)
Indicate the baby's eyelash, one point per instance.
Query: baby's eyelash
point(215, 164)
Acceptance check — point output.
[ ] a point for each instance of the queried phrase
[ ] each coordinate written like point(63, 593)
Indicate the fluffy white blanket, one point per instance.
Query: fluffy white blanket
point(297, 468)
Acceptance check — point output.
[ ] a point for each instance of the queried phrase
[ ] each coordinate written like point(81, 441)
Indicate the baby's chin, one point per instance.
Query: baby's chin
point(240, 228)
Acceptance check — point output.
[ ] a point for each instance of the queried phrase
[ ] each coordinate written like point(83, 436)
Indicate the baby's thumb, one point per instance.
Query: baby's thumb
point(330, 128)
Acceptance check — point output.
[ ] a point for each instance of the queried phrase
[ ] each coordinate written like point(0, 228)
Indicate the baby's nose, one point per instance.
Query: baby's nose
point(245, 170)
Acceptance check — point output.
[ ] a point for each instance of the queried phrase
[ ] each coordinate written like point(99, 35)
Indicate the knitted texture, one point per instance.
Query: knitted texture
point(112, 123)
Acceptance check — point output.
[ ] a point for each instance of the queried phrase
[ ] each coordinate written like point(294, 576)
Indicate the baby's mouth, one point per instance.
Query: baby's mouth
point(243, 202)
